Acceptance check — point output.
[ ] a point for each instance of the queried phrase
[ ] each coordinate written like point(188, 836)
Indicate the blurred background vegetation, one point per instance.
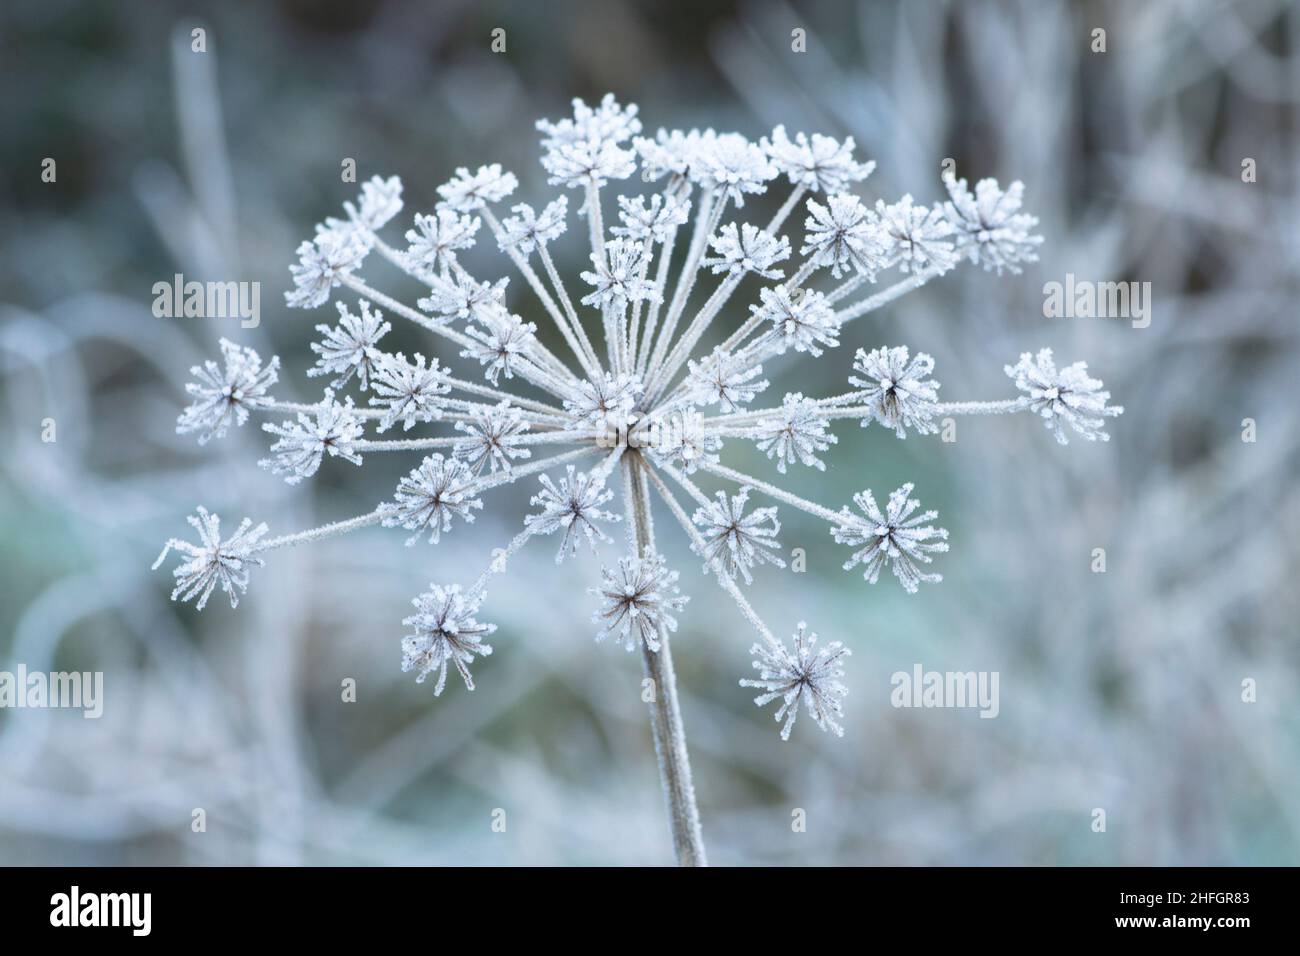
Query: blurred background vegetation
point(1119, 690)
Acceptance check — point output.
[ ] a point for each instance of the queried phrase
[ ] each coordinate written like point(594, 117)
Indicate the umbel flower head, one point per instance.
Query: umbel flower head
point(653, 381)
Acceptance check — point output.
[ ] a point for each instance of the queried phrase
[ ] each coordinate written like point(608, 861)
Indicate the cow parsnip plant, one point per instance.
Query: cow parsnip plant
point(635, 409)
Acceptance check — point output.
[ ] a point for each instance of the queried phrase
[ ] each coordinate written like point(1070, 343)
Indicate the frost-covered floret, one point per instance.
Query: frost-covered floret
point(407, 393)
point(322, 264)
point(608, 402)
point(224, 395)
point(914, 238)
point(724, 379)
point(468, 191)
point(588, 163)
point(214, 562)
point(990, 229)
point(501, 347)
point(493, 434)
point(809, 674)
point(526, 229)
point(430, 496)
point(733, 166)
point(331, 427)
point(896, 537)
point(351, 347)
point(734, 541)
point(802, 320)
point(573, 505)
point(461, 297)
point(820, 164)
point(618, 277)
point(638, 601)
point(445, 633)
point(749, 249)
point(671, 152)
point(1066, 397)
point(380, 201)
point(797, 432)
point(897, 389)
point(656, 221)
point(433, 243)
point(843, 235)
point(606, 122)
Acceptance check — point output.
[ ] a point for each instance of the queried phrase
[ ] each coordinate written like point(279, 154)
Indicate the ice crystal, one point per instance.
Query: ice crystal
point(492, 438)
point(843, 235)
point(914, 238)
point(796, 434)
point(749, 249)
point(820, 163)
point(434, 240)
point(652, 372)
point(803, 321)
point(408, 392)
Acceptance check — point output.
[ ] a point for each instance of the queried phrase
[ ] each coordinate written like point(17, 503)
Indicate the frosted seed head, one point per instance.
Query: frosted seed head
point(897, 537)
point(224, 395)
point(331, 428)
point(1068, 397)
point(445, 633)
point(898, 389)
point(808, 673)
point(212, 562)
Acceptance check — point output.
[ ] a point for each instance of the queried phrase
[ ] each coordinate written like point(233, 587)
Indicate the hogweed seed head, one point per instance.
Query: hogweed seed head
point(636, 379)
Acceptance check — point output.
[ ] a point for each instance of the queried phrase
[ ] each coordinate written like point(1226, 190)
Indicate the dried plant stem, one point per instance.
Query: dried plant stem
point(665, 715)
